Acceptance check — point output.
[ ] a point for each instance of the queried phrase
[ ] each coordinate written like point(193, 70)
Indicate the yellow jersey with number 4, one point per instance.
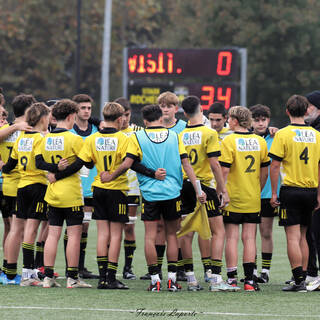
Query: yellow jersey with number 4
point(24, 152)
point(298, 149)
point(57, 145)
point(107, 149)
point(201, 143)
point(244, 153)
point(11, 180)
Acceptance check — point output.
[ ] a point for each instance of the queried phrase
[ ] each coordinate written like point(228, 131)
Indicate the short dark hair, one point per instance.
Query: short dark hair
point(297, 105)
point(63, 108)
point(78, 98)
point(151, 112)
point(36, 112)
point(190, 105)
point(123, 102)
point(218, 107)
point(112, 111)
point(21, 102)
point(260, 111)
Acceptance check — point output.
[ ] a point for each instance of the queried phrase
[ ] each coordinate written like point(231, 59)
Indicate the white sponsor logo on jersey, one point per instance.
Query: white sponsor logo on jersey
point(247, 144)
point(106, 144)
point(304, 135)
point(25, 145)
point(158, 136)
point(54, 143)
point(192, 138)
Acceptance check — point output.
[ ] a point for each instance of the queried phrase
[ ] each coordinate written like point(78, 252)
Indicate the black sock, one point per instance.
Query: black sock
point(248, 270)
point(112, 271)
point(160, 253)
point(48, 271)
point(297, 274)
point(102, 267)
point(65, 243)
point(28, 255)
point(129, 248)
point(153, 269)
point(4, 268)
point(206, 261)
point(72, 272)
point(11, 270)
point(266, 260)
point(180, 265)
point(39, 255)
point(255, 263)
point(188, 265)
point(172, 266)
point(83, 246)
point(216, 266)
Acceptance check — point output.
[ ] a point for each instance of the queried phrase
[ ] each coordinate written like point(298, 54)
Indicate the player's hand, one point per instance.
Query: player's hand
point(274, 201)
point(202, 197)
point(224, 199)
point(160, 174)
point(273, 131)
point(1, 164)
point(105, 176)
point(51, 177)
point(23, 126)
point(63, 163)
point(316, 208)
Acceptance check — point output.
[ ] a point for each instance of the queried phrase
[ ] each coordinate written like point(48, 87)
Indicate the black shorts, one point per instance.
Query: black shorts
point(72, 215)
point(296, 205)
point(133, 201)
point(88, 202)
point(154, 210)
point(30, 202)
point(240, 218)
point(267, 211)
point(189, 200)
point(8, 206)
point(110, 205)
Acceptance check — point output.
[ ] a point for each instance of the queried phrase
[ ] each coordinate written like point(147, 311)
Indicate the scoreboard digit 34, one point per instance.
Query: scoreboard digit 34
point(210, 74)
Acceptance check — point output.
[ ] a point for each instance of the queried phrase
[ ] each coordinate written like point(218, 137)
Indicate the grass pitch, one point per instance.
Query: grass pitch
point(61, 303)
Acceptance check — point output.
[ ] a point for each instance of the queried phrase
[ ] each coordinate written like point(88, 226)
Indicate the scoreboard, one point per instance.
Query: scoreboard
point(210, 74)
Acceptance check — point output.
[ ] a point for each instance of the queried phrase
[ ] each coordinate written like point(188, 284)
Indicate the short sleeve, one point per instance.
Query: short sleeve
point(212, 145)
point(134, 150)
point(227, 153)
point(277, 148)
point(85, 153)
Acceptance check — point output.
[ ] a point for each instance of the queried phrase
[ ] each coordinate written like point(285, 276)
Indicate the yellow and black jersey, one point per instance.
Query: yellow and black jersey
point(24, 152)
point(225, 131)
point(107, 149)
point(244, 153)
point(201, 143)
point(11, 180)
point(298, 149)
point(57, 145)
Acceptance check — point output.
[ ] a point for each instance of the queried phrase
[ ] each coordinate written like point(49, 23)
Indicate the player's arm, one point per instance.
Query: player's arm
point(217, 171)
point(20, 126)
point(43, 165)
point(138, 167)
point(105, 176)
point(274, 178)
point(10, 165)
point(263, 176)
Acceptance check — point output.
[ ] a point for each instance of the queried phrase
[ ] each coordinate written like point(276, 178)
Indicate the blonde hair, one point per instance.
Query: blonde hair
point(36, 112)
point(112, 111)
point(168, 98)
point(242, 114)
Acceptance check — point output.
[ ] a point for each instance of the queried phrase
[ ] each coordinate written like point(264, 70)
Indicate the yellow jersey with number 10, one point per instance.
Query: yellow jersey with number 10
point(244, 153)
point(298, 149)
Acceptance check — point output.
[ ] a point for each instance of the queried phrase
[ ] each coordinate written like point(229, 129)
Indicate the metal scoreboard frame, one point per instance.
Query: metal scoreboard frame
point(212, 71)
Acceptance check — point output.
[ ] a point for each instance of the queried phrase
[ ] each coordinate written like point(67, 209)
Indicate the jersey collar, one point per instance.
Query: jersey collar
point(108, 130)
point(194, 125)
point(83, 133)
point(59, 130)
point(236, 132)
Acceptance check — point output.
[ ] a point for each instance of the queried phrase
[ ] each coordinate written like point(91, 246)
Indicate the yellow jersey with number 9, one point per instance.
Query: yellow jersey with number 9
point(298, 149)
point(244, 153)
point(57, 145)
point(11, 180)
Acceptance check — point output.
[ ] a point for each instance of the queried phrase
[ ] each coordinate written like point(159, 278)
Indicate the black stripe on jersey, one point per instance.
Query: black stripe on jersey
point(265, 164)
point(273, 156)
point(108, 130)
point(214, 154)
point(58, 130)
point(225, 164)
point(194, 126)
point(83, 133)
point(183, 156)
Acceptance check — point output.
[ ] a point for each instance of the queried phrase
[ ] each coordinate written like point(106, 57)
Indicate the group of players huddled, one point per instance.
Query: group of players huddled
point(61, 165)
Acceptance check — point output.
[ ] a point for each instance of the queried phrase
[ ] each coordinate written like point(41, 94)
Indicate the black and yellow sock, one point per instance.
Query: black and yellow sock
point(206, 262)
point(153, 269)
point(180, 265)
point(11, 270)
point(216, 266)
point(102, 267)
point(129, 248)
point(112, 271)
point(172, 266)
point(28, 255)
point(48, 271)
point(4, 266)
point(72, 272)
point(160, 253)
point(266, 260)
point(38, 261)
point(188, 265)
point(83, 246)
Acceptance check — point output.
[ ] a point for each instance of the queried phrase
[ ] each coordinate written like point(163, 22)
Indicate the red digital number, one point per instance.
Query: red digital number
point(224, 63)
point(226, 98)
point(212, 94)
point(209, 97)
